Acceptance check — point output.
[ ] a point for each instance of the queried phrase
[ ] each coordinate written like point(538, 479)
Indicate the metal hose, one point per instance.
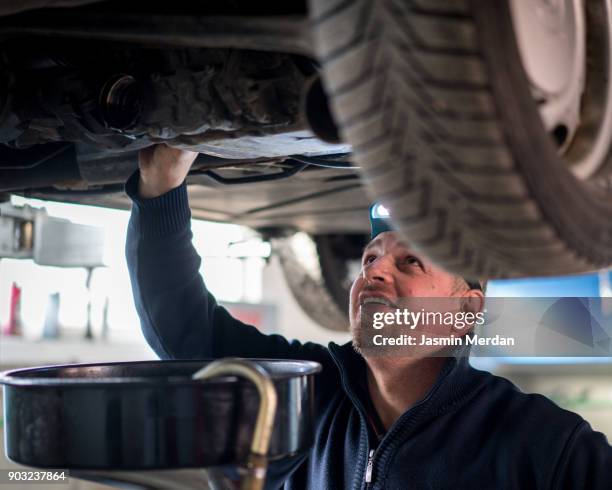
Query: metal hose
point(257, 461)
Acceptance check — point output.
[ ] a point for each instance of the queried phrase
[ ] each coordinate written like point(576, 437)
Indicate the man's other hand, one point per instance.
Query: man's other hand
point(162, 168)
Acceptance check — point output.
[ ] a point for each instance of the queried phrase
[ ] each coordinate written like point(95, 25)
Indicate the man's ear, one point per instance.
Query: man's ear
point(472, 301)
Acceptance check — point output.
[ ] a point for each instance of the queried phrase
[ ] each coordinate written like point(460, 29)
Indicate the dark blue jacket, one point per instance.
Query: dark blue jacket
point(472, 431)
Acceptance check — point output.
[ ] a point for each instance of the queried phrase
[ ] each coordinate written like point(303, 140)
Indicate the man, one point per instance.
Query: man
point(382, 421)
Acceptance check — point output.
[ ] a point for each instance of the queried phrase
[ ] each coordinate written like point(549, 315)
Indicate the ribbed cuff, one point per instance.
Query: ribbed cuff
point(162, 215)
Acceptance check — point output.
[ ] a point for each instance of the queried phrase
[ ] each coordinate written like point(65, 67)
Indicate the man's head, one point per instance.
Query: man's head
point(392, 271)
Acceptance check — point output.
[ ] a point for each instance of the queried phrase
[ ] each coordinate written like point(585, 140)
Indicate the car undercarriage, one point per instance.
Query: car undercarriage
point(450, 112)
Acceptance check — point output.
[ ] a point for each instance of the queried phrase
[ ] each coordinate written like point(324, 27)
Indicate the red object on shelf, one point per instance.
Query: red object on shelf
point(13, 327)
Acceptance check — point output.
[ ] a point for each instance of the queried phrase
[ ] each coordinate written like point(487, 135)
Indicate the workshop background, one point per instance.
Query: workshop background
point(59, 315)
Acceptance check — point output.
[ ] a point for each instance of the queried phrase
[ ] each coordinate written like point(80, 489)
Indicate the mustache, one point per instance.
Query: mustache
point(370, 294)
point(375, 290)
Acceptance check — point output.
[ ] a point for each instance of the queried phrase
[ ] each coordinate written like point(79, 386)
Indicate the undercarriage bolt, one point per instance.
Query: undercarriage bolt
point(121, 102)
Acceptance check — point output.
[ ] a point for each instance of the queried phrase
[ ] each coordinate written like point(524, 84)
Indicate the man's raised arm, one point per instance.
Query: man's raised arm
point(179, 317)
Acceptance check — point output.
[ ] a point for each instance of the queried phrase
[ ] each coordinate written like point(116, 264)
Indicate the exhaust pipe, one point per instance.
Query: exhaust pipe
point(316, 111)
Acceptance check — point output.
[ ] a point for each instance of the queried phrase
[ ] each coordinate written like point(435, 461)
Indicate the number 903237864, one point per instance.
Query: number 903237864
point(42, 476)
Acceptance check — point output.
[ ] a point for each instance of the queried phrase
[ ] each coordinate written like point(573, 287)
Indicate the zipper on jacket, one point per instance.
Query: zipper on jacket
point(369, 468)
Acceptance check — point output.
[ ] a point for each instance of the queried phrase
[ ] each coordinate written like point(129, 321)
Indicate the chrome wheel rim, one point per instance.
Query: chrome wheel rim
point(565, 49)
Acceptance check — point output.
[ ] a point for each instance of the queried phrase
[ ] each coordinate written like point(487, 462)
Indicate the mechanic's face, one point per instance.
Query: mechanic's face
point(391, 270)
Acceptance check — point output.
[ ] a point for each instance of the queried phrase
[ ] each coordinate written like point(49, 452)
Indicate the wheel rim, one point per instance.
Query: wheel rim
point(565, 49)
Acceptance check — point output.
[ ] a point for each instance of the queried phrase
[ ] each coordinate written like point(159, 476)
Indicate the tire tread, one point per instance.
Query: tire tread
point(436, 150)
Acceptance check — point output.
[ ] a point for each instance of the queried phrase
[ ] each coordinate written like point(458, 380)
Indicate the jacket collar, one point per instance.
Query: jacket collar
point(457, 379)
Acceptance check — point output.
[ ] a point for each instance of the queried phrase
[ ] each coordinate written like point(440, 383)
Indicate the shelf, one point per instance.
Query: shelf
point(19, 352)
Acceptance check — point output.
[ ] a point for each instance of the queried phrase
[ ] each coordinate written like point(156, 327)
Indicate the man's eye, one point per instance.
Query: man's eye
point(368, 259)
point(411, 260)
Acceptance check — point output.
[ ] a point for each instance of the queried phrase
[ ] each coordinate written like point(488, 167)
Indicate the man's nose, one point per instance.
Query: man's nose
point(379, 270)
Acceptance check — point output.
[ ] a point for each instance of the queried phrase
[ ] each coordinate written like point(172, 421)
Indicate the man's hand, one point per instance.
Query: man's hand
point(162, 169)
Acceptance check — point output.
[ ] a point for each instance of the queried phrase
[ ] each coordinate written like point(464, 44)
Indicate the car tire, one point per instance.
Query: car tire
point(319, 271)
point(435, 101)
